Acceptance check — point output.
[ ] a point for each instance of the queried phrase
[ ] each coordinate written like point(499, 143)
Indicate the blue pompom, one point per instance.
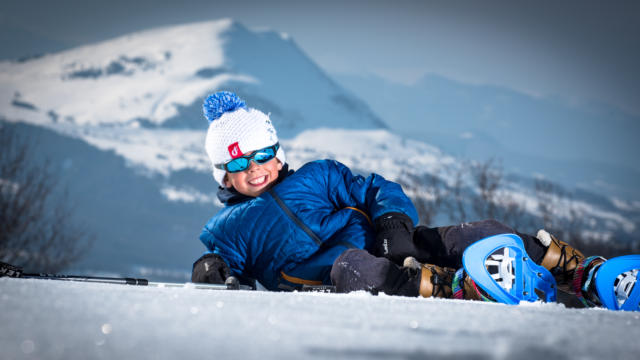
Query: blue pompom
point(221, 102)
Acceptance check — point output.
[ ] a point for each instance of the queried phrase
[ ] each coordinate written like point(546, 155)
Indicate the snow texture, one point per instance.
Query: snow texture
point(63, 320)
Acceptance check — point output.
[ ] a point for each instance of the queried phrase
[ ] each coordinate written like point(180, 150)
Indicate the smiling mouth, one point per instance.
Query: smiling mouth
point(258, 181)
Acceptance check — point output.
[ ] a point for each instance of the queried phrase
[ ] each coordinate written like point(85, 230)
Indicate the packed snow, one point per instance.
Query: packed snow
point(65, 320)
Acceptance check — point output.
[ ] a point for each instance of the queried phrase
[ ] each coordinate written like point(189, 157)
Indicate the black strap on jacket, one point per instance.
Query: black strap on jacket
point(294, 218)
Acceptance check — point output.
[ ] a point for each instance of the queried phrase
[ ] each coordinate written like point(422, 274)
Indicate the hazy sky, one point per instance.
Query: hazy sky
point(575, 49)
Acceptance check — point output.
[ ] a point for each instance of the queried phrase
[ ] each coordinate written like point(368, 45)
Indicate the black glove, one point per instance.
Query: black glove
point(394, 237)
point(211, 269)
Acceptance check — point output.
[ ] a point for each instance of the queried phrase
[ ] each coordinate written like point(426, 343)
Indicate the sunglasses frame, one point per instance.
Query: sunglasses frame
point(250, 158)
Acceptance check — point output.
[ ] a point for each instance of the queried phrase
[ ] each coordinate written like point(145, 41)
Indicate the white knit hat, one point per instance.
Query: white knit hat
point(235, 130)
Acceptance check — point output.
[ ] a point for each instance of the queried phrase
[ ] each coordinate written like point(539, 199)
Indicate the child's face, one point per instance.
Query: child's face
point(256, 179)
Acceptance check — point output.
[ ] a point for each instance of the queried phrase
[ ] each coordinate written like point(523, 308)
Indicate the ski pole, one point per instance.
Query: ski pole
point(13, 271)
point(92, 279)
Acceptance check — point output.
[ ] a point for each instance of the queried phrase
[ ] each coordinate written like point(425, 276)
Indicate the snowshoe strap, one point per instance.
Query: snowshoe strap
point(578, 286)
point(462, 286)
point(457, 284)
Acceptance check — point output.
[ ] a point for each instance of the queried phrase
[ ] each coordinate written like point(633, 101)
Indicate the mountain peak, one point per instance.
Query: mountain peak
point(160, 76)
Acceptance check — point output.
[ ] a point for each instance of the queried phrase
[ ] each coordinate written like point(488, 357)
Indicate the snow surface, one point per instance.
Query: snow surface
point(64, 320)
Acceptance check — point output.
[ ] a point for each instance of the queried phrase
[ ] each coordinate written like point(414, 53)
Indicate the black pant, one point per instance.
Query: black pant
point(443, 246)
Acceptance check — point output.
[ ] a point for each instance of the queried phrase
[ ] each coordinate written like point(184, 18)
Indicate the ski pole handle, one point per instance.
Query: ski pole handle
point(9, 270)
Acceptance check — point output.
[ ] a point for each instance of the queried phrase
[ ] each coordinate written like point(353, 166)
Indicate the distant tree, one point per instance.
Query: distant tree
point(36, 231)
point(476, 191)
point(456, 198)
point(427, 194)
point(547, 195)
point(572, 226)
point(487, 178)
point(492, 200)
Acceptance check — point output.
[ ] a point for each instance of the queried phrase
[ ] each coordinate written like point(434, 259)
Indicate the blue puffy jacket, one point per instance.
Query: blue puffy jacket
point(330, 210)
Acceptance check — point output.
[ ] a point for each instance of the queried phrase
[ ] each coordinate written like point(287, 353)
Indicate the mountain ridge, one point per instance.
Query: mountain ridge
point(482, 121)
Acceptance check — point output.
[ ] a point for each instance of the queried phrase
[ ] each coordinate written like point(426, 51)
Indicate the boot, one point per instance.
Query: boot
point(574, 273)
point(561, 259)
point(437, 281)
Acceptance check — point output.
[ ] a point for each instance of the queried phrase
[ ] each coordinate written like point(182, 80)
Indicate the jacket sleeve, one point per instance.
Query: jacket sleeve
point(373, 194)
point(232, 255)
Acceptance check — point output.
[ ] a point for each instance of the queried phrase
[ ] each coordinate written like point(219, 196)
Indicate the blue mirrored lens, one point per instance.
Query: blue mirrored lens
point(260, 157)
point(238, 164)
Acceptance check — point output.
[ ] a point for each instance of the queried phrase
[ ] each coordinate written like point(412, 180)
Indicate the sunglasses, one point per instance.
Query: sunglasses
point(242, 163)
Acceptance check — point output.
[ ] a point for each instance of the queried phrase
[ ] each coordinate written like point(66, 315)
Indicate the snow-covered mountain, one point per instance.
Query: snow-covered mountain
point(155, 78)
point(589, 145)
point(121, 121)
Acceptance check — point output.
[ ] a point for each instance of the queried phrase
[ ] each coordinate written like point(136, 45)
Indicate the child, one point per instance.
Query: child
point(323, 225)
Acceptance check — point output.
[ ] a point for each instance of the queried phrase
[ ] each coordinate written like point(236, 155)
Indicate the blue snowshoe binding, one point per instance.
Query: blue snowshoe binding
point(500, 270)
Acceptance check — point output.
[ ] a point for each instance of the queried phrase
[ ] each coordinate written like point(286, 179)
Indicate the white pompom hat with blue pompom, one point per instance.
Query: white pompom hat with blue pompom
point(234, 130)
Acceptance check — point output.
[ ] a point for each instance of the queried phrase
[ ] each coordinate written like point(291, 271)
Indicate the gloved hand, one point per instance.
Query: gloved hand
point(394, 237)
point(211, 269)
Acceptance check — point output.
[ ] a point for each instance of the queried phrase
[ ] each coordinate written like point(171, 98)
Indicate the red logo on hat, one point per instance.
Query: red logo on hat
point(234, 150)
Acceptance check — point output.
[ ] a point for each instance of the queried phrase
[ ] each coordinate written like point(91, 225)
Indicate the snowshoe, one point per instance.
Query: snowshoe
point(502, 271)
point(615, 283)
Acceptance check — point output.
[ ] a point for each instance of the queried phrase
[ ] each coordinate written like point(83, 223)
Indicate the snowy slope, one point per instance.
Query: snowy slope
point(60, 320)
